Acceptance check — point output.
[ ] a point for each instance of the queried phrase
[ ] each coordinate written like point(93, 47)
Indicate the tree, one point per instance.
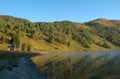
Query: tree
point(68, 44)
point(15, 40)
point(29, 48)
point(2, 39)
point(32, 34)
point(24, 47)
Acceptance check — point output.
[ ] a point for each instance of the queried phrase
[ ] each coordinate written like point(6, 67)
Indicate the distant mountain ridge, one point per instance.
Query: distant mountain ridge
point(104, 22)
point(59, 36)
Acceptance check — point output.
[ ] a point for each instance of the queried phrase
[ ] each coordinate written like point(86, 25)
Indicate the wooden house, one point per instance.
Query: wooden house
point(11, 48)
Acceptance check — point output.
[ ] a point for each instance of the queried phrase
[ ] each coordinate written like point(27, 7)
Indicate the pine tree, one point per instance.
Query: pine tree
point(24, 47)
point(15, 40)
point(29, 48)
point(68, 44)
point(2, 39)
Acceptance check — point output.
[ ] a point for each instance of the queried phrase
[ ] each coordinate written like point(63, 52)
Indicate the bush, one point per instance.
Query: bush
point(24, 47)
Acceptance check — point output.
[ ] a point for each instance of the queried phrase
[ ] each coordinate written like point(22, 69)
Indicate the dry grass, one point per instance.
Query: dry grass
point(43, 46)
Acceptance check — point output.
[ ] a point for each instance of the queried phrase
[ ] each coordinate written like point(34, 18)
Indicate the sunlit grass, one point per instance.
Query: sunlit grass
point(43, 46)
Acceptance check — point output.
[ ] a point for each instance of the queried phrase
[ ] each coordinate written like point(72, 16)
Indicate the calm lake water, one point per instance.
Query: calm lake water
point(85, 65)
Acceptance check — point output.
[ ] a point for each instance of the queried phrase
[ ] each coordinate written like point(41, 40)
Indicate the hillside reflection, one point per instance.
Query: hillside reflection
point(88, 65)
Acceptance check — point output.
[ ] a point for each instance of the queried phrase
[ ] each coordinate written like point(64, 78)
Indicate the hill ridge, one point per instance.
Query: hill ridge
point(59, 36)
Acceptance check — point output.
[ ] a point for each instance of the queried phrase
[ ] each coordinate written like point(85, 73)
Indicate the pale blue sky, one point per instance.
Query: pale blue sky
point(57, 10)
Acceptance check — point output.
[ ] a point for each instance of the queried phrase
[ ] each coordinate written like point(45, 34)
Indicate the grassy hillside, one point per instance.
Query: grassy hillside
point(100, 34)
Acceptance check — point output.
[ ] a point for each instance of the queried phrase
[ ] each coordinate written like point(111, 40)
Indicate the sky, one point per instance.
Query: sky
point(57, 10)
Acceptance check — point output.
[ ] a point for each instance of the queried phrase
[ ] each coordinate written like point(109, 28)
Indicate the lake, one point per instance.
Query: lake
point(80, 65)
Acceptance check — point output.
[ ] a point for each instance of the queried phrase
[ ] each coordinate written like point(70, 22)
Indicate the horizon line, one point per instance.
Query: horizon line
point(55, 20)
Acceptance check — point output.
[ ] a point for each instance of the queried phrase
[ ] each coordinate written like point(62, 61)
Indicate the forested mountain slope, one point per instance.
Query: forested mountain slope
point(58, 36)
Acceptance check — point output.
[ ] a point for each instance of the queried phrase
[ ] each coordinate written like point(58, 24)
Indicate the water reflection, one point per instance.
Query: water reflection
point(88, 65)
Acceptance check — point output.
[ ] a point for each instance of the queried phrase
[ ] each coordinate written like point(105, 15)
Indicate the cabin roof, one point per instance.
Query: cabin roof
point(11, 46)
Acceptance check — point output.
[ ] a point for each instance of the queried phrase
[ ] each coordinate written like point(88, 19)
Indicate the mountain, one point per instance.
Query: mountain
point(104, 23)
point(59, 36)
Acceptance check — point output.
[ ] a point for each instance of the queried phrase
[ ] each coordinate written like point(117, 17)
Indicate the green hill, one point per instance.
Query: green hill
point(59, 36)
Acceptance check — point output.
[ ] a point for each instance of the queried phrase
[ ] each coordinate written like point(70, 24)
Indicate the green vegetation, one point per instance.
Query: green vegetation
point(106, 31)
point(58, 36)
point(16, 40)
point(29, 48)
point(23, 47)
